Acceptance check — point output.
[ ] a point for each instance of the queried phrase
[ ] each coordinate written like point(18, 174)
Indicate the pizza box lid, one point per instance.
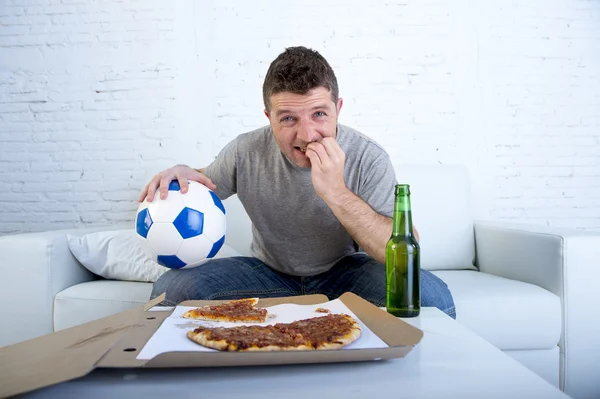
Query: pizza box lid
point(115, 341)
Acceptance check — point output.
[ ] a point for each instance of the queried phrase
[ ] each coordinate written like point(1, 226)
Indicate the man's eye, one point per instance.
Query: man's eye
point(287, 121)
point(320, 113)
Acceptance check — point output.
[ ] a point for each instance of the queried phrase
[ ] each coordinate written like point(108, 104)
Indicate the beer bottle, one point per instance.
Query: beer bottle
point(403, 291)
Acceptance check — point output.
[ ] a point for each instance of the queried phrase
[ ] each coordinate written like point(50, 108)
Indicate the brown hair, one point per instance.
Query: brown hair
point(299, 70)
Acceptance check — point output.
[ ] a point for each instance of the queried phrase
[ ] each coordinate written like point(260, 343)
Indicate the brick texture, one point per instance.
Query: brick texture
point(96, 97)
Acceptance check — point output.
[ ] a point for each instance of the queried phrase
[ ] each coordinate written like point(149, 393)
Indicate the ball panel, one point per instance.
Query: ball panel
point(215, 224)
point(189, 223)
point(166, 210)
point(197, 197)
point(171, 261)
point(216, 247)
point(174, 185)
point(164, 239)
point(217, 202)
point(194, 251)
point(143, 222)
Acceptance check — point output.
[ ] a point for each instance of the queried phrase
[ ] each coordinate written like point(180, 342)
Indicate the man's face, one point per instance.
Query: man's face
point(298, 120)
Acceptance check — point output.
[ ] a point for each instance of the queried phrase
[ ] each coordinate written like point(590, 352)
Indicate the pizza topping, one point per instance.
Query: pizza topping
point(322, 310)
point(241, 310)
point(244, 337)
point(313, 333)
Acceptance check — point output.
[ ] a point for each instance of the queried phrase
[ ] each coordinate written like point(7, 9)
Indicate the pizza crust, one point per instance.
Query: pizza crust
point(202, 339)
point(252, 301)
point(354, 334)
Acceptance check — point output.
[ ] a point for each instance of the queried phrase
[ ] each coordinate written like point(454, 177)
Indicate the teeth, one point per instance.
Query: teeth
point(303, 149)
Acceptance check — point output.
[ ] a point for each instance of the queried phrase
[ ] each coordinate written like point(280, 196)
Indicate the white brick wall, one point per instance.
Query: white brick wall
point(96, 97)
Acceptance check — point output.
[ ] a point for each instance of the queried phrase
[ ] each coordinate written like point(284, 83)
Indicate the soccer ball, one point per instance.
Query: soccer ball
point(183, 230)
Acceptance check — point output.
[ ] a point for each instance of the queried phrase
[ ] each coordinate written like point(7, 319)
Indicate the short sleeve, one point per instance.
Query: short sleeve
point(377, 185)
point(223, 171)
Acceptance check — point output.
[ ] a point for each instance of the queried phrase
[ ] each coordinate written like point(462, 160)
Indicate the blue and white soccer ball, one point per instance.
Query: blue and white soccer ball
point(183, 230)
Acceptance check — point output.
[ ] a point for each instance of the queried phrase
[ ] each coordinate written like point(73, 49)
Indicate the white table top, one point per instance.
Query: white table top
point(450, 362)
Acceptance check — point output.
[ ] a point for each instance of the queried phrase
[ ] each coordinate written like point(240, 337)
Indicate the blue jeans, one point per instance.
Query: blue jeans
point(241, 277)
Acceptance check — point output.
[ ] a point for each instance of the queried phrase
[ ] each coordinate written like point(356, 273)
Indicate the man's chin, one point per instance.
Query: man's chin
point(298, 159)
point(302, 162)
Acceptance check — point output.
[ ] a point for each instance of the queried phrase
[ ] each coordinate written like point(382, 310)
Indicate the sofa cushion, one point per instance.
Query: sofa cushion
point(93, 300)
point(442, 213)
point(122, 255)
point(509, 314)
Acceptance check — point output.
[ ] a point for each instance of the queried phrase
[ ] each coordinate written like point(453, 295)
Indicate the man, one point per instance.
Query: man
point(320, 196)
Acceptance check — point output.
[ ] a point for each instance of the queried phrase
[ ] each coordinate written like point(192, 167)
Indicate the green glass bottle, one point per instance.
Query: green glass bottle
point(402, 260)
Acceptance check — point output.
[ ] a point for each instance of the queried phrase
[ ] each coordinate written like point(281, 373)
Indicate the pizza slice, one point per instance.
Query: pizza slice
point(333, 331)
point(239, 310)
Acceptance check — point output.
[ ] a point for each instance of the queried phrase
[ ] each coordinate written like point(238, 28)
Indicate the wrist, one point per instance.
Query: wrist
point(338, 197)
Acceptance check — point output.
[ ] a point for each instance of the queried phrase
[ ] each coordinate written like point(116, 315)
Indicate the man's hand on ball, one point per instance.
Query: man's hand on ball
point(181, 173)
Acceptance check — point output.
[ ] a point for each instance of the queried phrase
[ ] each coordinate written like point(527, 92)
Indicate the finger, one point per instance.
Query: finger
point(164, 186)
point(320, 150)
point(315, 161)
point(202, 179)
point(143, 194)
point(183, 183)
point(416, 233)
point(333, 149)
point(207, 182)
point(152, 189)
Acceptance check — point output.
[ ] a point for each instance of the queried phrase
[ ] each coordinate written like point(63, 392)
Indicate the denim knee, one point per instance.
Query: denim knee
point(435, 293)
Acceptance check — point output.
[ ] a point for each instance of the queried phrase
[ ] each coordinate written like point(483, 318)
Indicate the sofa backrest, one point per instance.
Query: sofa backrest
point(442, 213)
point(441, 205)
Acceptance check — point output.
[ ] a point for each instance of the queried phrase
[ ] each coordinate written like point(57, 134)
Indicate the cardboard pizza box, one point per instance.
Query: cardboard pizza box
point(115, 341)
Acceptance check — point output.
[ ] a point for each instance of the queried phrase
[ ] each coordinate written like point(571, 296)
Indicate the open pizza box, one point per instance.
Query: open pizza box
point(117, 341)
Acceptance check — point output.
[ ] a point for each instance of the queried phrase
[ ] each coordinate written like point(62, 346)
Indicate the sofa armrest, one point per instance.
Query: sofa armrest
point(34, 268)
point(563, 261)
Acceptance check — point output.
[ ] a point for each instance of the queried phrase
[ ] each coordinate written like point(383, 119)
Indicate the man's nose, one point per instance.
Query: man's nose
point(306, 132)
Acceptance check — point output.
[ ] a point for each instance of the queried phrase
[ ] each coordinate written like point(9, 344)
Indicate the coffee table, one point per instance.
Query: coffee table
point(450, 362)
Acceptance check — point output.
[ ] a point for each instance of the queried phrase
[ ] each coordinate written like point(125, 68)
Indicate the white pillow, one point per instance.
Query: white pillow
point(120, 255)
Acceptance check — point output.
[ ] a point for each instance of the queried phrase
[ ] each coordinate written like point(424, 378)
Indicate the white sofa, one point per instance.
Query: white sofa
point(529, 290)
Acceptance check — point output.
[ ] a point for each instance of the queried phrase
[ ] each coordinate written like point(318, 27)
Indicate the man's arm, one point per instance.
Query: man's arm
point(367, 227)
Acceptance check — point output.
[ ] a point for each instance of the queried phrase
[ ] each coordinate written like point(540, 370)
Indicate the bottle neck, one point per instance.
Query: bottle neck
point(402, 217)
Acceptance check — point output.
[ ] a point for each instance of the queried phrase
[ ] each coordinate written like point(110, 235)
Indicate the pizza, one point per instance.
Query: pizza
point(332, 331)
point(239, 310)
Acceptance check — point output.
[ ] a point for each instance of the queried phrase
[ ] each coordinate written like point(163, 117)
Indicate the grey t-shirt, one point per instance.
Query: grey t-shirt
point(293, 229)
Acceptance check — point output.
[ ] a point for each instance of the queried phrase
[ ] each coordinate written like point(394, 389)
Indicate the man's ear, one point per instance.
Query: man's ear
point(339, 104)
point(267, 114)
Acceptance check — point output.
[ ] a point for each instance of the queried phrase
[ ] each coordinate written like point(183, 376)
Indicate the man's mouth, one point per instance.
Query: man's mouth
point(301, 149)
